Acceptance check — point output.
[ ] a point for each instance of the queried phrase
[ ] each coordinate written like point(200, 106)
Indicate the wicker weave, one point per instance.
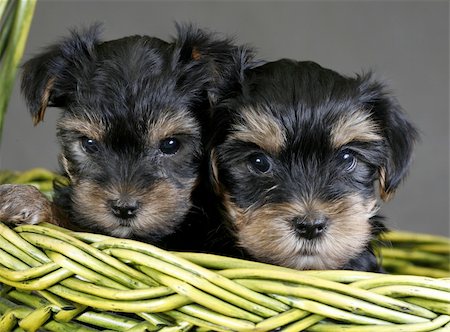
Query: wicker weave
point(57, 280)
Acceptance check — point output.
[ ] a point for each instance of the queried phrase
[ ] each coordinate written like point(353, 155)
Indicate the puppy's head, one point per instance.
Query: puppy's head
point(296, 161)
point(131, 126)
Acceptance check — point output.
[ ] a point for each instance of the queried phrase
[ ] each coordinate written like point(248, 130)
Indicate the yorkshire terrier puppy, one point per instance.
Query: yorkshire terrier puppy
point(298, 154)
point(131, 131)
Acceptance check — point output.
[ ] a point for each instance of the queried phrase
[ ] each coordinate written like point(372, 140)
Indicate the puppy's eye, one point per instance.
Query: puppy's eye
point(169, 145)
point(260, 163)
point(89, 145)
point(348, 160)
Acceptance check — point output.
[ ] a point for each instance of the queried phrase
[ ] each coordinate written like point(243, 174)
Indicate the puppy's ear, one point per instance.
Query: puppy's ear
point(49, 78)
point(399, 133)
point(217, 58)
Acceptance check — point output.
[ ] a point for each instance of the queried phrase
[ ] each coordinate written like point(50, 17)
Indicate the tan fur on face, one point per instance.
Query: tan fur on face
point(354, 126)
point(259, 128)
point(268, 235)
point(170, 124)
point(161, 207)
point(89, 127)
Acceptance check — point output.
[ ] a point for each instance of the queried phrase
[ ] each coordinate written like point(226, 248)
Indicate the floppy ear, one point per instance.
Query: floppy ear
point(399, 133)
point(48, 78)
point(218, 60)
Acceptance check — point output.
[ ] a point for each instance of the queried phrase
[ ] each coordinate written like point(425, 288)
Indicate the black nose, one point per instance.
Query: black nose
point(124, 209)
point(310, 228)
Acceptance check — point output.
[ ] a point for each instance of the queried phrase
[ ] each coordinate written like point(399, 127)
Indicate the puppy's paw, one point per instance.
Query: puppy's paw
point(23, 204)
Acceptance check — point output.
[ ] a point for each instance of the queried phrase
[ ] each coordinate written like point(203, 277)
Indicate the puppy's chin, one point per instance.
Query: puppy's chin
point(268, 235)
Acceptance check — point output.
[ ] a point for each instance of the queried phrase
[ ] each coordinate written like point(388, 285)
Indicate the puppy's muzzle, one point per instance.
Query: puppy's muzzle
point(310, 227)
point(124, 208)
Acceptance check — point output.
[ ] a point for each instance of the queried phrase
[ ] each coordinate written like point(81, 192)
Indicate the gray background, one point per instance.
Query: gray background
point(406, 43)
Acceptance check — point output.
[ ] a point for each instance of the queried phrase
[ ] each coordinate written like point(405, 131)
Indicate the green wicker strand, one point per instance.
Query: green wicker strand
point(17, 252)
point(30, 273)
point(33, 175)
point(328, 311)
point(418, 327)
point(384, 280)
point(156, 305)
point(188, 277)
point(6, 175)
point(399, 266)
point(298, 278)
point(43, 186)
point(407, 290)
point(12, 46)
point(116, 294)
point(109, 321)
point(303, 324)
point(341, 276)
point(414, 256)
point(2, 8)
point(155, 319)
point(218, 319)
point(409, 237)
point(90, 238)
point(282, 319)
point(182, 327)
point(335, 300)
point(445, 328)
point(436, 306)
point(179, 316)
point(41, 283)
point(434, 248)
point(11, 262)
point(8, 321)
point(37, 318)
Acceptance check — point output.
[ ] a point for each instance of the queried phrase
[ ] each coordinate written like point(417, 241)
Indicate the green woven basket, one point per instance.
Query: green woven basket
point(53, 279)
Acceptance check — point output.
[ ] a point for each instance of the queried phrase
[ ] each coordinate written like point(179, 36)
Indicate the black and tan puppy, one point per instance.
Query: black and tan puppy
point(130, 132)
point(298, 154)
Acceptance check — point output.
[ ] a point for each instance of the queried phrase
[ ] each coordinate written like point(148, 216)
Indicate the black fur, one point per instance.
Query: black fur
point(306, 101)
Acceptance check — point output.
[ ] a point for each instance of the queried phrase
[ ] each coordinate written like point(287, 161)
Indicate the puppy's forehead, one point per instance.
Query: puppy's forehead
point(353, 126)
point(303, 102)
point(255, 124)
point(172, 123)
point(137, 72)
point(87, 123)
